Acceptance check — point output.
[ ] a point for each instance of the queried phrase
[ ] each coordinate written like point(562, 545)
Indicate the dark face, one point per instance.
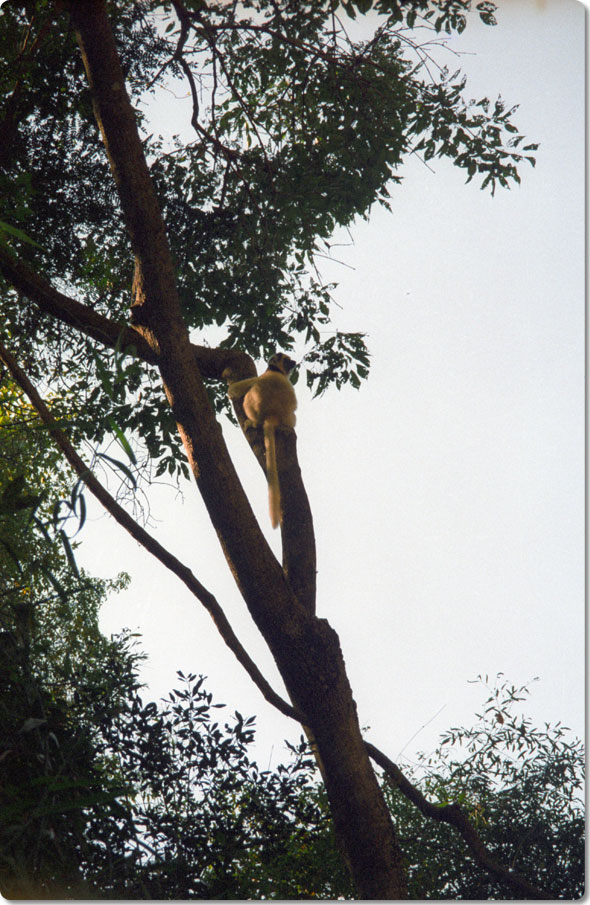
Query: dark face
point(281, 362)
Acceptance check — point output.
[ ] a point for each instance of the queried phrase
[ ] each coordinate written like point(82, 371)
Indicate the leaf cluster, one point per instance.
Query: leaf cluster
point(205, 822)
point(53, 785)
point(296, 129)
point(46, 602)
point(445, 15)
point(478, 136)
point(51, 649)
point(171, 805)
point(522, 789)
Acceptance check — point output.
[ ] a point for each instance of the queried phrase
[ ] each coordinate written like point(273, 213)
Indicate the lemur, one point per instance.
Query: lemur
point(270, 401)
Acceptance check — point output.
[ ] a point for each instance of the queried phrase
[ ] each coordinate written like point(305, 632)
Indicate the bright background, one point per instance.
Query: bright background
point(448, 493)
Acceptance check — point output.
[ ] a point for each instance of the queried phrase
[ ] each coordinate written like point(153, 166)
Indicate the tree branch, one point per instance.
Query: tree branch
point(297, 533)
point(455, 816)
point(230, 155)
point(247, 26)
point(148, 542)
point(211, 362)
point(299, 557)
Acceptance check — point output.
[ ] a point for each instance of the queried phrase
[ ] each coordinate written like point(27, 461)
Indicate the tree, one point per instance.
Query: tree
point(298, 129)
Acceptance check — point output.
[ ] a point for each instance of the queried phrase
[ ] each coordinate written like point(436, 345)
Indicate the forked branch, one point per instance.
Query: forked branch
point(298, 539)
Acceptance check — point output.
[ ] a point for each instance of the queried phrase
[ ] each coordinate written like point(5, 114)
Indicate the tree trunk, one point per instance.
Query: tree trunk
point(305, 648)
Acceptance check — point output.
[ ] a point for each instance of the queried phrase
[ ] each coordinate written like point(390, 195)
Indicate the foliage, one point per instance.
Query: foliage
point(50, 647)
point(165, 802)
point(52, 785)
point(206, 822)
point(50, 650)
point(134, 801)
point(522, 788)
point(296, 129)
point(46, 601)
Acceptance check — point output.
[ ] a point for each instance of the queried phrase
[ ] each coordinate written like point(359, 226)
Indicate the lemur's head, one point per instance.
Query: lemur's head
point(281, 363)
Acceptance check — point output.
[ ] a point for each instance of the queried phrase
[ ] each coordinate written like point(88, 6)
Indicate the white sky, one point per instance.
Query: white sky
point(448, 493)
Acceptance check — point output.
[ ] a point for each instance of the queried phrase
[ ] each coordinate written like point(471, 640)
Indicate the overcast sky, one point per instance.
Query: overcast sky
point(448, 493)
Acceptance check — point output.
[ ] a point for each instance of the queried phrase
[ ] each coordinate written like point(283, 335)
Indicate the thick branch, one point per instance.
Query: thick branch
point(70, 311)
point(146, 540)
point(297, 534)
point(455, 816)
point(211, 362)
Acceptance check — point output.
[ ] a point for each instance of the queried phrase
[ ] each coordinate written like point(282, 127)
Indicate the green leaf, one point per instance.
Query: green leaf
point(18, 234)
point(105, 377)
point(69, 552)
point(120, 466)
point(56, 583)
point(121, 438)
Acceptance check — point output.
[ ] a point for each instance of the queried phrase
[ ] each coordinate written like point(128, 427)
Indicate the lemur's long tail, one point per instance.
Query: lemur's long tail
point(272, 475)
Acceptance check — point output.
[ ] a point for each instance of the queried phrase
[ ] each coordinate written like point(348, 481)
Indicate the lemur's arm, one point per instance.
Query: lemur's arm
point(240, 387)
